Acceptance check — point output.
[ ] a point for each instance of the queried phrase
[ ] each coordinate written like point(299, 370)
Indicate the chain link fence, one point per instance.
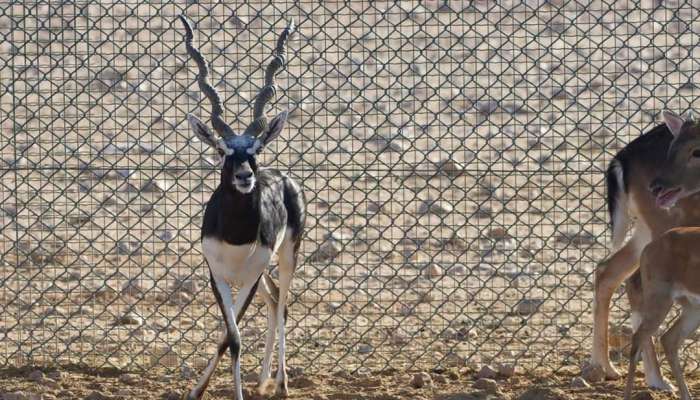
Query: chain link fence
point(452, 153)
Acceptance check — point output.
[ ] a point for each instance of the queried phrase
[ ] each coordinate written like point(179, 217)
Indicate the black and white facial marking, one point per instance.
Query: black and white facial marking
point(238, 152)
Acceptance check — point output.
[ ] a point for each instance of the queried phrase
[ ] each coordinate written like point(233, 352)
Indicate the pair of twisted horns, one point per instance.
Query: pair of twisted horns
point(259, 124)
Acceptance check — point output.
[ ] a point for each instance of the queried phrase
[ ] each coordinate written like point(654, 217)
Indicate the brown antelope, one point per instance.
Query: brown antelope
point(657, 207)
point(253, 214)
point(670, 272)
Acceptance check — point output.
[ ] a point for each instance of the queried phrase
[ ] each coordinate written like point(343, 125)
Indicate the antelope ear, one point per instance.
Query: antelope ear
point(273, 130)
point(206, 135)
point(673, 122)
point(201, 130)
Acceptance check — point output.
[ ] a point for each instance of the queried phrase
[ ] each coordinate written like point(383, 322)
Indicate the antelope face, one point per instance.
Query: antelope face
point(679, 177)
point(238, 152)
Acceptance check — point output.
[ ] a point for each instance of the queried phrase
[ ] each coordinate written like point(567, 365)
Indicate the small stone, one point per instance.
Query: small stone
point(433, 271)
point(55, 375)
point(133, 288)
point(36, 375)
point(506, 370)
point(328, 250)
point(364, 348)
point(186, 372)
point(421, 379)
point(486, 107)
point(441, 379)
point(170, 395)
point(436, 207)
point(592, 373)
point(528, 306)
point(457, 270)
point(301, 382)
point(15, 396)
point(251, 377)
point(498, 233)
point(451, 168)
point(487, 385)
point(541, 393)
point(129, 379)
point(579, 382)
point(129, 318)
point(185, 284)
point(96, 396)
point(643, 395)
point(487, 372)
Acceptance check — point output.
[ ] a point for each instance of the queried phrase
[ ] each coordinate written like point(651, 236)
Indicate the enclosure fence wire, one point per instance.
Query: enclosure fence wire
point(452, 154)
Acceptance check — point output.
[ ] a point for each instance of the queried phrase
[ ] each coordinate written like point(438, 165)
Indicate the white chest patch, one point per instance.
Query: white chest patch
point(236, 264)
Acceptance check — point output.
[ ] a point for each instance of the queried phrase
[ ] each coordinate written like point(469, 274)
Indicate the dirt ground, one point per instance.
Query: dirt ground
point(452, 157)
point(449, 384)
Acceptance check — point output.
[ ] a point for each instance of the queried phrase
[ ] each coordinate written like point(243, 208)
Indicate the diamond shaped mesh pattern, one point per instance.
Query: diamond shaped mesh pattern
point(452, 153)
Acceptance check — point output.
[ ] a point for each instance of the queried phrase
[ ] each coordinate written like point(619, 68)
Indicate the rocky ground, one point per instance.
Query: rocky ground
point(452, 154)
point(488, 383)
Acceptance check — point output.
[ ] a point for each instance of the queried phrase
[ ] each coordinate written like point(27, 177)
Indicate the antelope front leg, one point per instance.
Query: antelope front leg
point(652, 371)
point(672, 340)
point(222, 292)
point(198, 390)
point(609, 276)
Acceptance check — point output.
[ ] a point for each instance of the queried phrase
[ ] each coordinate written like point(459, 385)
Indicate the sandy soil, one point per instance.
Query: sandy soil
point(452, 158)
point(448, 384)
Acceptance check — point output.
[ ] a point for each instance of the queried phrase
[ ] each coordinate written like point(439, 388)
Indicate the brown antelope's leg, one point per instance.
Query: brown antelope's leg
point(652, 370)
point(609, 276)
point(652, 319)
point(686, 324)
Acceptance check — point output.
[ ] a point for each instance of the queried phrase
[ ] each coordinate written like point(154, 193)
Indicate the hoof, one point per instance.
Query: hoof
point(611, 373)
point(282, 389)
point(266, 387)
point(663, 386)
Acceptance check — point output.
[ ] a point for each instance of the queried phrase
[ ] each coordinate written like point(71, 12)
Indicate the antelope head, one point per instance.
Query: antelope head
point(238, 151)
point(679, 177)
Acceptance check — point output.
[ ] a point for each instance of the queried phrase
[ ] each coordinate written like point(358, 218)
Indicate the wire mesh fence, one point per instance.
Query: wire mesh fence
point(451, 152)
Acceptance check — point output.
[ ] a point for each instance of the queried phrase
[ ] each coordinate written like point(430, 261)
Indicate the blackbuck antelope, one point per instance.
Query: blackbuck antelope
point(657, 205)
point(670, 271)
point(253, 214)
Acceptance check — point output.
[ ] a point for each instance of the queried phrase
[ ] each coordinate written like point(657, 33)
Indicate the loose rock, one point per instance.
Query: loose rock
point(506, 370)
point(643, 395)
point(528, 306)
point(328, 250)
point(436, 207)
point(487, 385)
point(364, 348)
point(486, 372)
point(36, 375)
point(129, 379)
point(96, 396)
point(129, 319)
point(592, 373)
point(421, 379)
point(540, 393)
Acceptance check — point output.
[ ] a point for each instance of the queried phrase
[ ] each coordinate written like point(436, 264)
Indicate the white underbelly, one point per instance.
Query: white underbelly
point(236, 264)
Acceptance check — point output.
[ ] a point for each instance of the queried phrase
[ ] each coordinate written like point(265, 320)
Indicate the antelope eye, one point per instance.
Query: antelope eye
point(696, 153)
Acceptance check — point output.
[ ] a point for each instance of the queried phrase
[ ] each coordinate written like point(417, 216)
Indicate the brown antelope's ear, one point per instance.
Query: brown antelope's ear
point(274, 129)
point(673, 122)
